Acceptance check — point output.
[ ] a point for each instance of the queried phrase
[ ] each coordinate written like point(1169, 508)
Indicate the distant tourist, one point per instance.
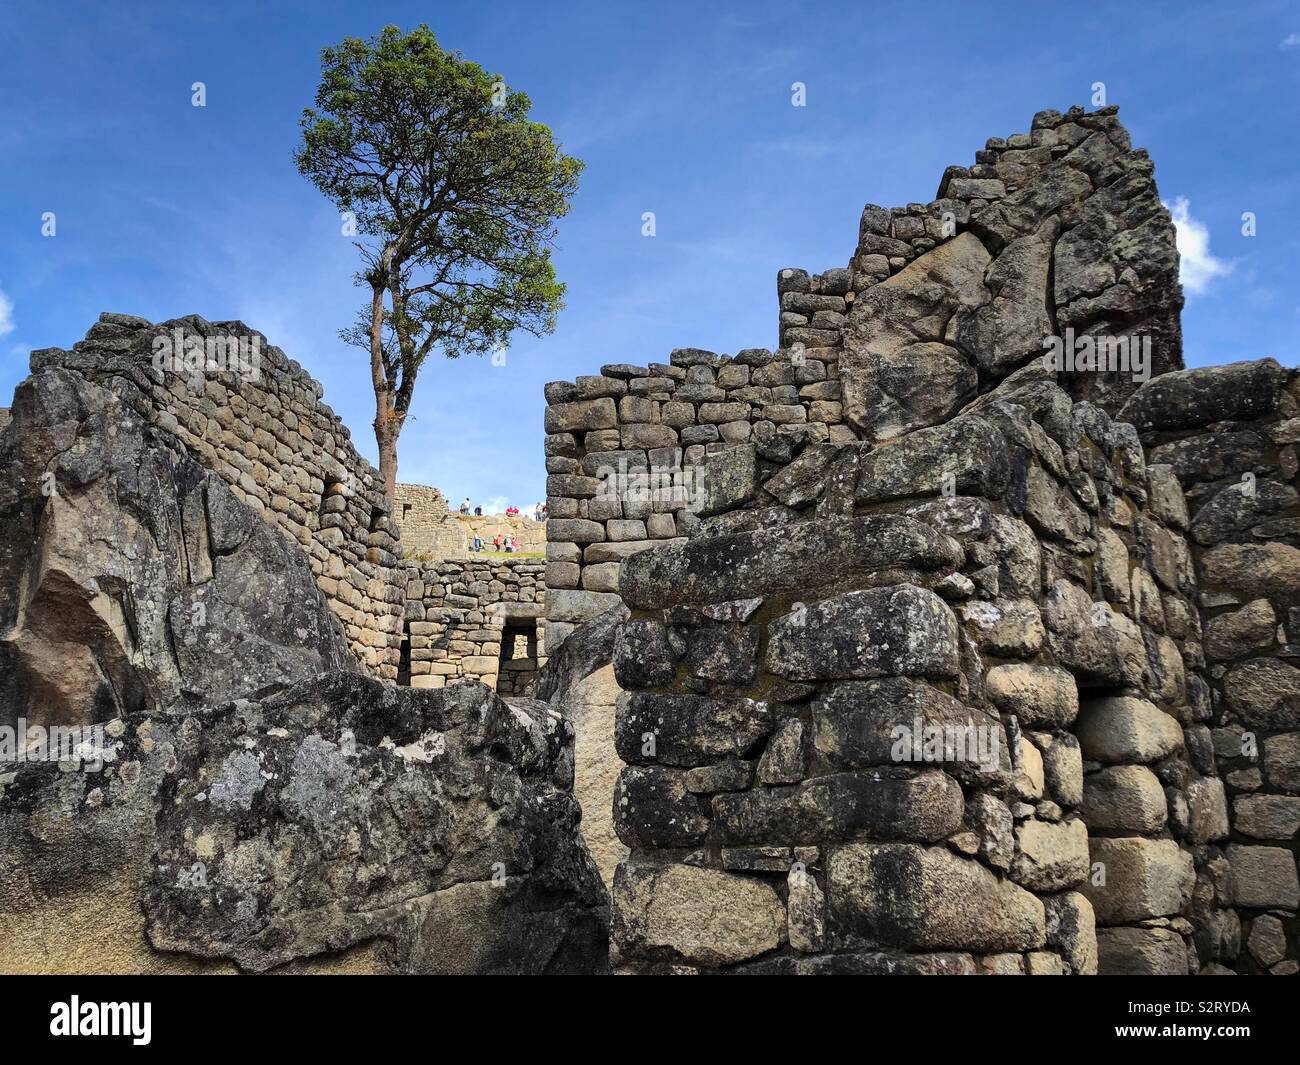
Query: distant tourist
point(478, 512)
point(464, 507)
point(478, 544)
point(537, 512)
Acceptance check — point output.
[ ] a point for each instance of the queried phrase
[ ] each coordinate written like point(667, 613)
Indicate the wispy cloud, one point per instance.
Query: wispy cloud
point(1291, 40)
point(1198, 266)
point(6, 314)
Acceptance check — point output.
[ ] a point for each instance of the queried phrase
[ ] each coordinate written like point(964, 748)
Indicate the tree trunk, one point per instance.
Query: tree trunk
point(386, 429)
point(388, 467)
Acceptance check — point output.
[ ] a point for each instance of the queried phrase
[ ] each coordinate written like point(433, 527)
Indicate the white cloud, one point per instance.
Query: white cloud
point(1197, 266)
point(6, 314)
point(495, 505)
point(1291, 40)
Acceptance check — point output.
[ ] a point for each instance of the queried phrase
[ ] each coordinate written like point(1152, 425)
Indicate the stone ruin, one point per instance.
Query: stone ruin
point(475, 620)
point(432, 531)
point(239, 784)
point(893, 650)
point(924, 654)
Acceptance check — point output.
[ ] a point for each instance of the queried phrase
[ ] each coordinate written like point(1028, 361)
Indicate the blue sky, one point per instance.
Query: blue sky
point(683, 109)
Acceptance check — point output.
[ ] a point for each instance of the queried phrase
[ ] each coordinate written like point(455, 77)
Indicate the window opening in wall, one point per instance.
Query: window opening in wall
point(517, 669)
point(404, 662)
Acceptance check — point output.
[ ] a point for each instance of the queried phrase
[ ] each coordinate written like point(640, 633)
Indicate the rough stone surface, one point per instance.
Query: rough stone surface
point(696, 915)
point(456, 859)
point(927, 898)
point(901, 630)
point(1125, 729)
point(1143, 878)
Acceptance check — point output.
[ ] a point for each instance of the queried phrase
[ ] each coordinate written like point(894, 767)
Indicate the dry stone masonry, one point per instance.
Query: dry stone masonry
point(1228, 435)
point(1058, 232)
point(431, 531)
point(480, 620)
point(958, 634)
point(931, 653)
point(264, 430)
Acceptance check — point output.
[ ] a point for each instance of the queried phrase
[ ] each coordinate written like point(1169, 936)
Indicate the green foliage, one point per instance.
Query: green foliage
point(455, 193)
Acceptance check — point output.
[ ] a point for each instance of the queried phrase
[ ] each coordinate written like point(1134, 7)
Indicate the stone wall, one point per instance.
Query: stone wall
point(1073, 236)
point(626, 451)
point(263, 429)
point(480, 620)
point(972, 545)
point(422, 516)
point(529, 534)
point(992, 577)
point(1229, 435)
point(235, 796)
point(1058, 232)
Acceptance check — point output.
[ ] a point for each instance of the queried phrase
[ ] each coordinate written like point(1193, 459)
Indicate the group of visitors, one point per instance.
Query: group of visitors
point(539, 512)
point(500, 543)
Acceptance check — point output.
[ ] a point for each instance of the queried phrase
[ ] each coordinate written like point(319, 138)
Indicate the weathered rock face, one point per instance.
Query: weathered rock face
point(336, 821)
point(130, 578)
point(898, 375)
point(1063, 235)
point(253, 417)
point(246, 799)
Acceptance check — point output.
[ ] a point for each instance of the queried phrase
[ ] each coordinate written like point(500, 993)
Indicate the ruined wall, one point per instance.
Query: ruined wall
point(1058, 232)
point(992, 575)
point(421, 514)
point(625, 451)
point(1072, 236)
point(213, 722)
point(480, 620)
point(261, 426)
point(431, 531)
point(964, 547)
point(1229, 435)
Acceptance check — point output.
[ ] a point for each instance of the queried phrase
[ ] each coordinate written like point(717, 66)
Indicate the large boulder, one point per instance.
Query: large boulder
point(1191, 399)
point(800, 558)
point(898, 375)
point(680, 913)
point(927, 898)
point(240, 797)
point(130, 578)
point(404, 830)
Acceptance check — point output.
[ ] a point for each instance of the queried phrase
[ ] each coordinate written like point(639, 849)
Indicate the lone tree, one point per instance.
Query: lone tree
point(453, 193)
